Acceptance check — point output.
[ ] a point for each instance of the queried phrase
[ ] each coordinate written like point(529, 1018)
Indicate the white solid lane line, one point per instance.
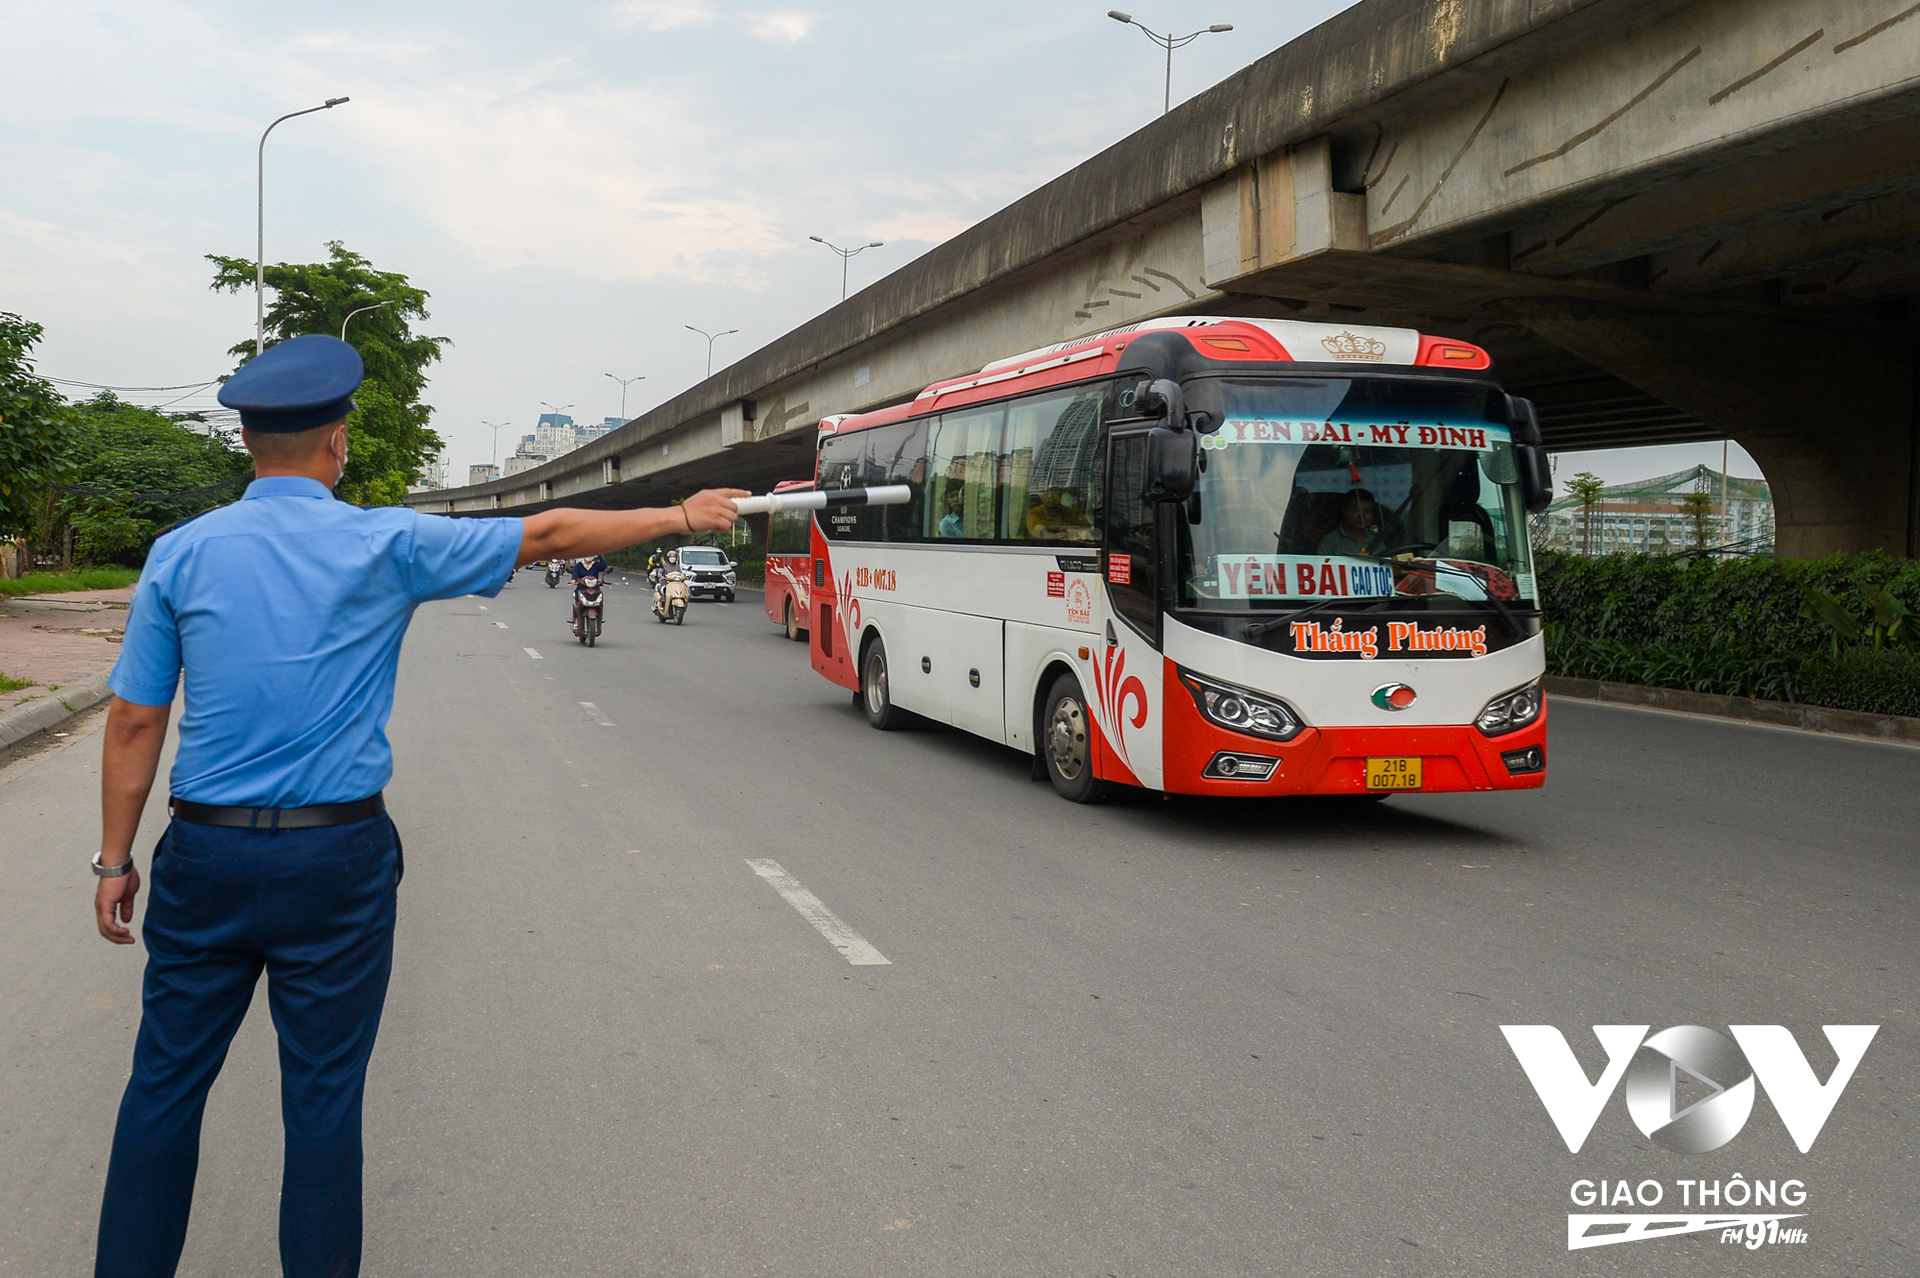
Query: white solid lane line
point(854, 947)
point(531, 653)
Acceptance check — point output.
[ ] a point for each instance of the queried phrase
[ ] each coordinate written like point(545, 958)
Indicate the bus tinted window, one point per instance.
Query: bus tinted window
point(788, 532)
point(963, 469)
point(1052, 459)
point(898, 455)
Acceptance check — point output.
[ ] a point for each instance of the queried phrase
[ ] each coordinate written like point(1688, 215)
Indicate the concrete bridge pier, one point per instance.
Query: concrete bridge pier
point(1825, 404)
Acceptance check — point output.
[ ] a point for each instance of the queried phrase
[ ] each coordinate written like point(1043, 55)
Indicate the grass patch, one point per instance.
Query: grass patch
point(50, 583)
point(10, 684)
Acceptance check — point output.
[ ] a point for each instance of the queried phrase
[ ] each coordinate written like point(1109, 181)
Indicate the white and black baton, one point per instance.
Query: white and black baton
point(819, 499)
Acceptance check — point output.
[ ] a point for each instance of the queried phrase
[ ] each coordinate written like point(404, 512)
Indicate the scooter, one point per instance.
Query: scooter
point(553, 573)
point(670, 599)
point(586, 625)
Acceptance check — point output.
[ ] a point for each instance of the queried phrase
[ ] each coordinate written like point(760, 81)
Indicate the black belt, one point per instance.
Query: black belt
point(306, 818)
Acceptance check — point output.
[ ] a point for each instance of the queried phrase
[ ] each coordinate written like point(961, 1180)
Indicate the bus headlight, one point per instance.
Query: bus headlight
point(1511, 710)
point(1242, 711)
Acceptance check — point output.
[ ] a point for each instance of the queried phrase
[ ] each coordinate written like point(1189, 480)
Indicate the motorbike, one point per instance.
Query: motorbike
point(586, 624)
point(553, 574)
point(670, 598)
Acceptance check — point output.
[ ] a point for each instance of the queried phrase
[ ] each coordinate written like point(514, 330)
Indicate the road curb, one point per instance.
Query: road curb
point(1779, 714)
point(52, 710)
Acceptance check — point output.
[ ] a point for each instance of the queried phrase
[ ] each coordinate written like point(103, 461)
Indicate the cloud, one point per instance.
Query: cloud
point(790, 27)
point(662, 15)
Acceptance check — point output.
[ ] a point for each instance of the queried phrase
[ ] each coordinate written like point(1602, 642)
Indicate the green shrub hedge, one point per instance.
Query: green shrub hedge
point(1732, 627)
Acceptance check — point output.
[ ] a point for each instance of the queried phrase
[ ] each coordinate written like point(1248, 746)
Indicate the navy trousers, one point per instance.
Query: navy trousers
point(315, 910)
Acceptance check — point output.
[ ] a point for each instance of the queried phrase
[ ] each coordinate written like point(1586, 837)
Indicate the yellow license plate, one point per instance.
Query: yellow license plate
point(1393, 774)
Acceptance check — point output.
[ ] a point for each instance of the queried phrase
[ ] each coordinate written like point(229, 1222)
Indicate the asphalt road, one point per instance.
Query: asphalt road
point(1153, 1038)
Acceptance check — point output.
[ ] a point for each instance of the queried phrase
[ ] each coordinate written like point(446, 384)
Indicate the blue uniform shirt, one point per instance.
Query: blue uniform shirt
point(286, 610)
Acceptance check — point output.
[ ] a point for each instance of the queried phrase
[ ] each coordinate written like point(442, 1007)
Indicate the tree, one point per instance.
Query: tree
point(1698, 506)
point(137, 473)
point(35, 422)
point(391, 441)
point(1586, 487)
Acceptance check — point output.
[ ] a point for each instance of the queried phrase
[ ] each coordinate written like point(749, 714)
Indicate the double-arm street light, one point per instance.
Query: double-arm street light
point(711, 339)
point(260, 245)
point(496, 440)
point(556, 409)
point(1169, 42)
point(844, 255)
point(363, 310)
point(624, 383)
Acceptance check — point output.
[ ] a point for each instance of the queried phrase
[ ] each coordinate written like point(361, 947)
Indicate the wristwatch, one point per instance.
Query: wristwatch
point(112, 871)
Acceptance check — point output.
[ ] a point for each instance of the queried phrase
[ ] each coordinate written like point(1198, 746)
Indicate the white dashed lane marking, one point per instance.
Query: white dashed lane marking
point(853, 947)
point(598, 718)
point(501, 624)
point(531, 653)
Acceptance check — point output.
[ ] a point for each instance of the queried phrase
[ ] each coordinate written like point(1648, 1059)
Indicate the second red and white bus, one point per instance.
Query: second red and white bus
point(1200, 555)
point(789, 571)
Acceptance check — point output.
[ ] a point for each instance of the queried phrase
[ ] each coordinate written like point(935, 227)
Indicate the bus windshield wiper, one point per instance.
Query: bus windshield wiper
point(1364, 602)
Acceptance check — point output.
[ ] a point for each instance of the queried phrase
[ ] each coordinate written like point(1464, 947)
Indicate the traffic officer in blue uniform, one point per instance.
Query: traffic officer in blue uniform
point(284, 612)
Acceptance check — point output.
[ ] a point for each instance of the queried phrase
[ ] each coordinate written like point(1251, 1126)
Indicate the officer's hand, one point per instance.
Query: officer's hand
point(115, 896)
point(711, 509)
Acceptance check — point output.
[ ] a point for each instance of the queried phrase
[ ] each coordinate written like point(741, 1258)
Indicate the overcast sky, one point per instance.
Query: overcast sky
point(572, 182)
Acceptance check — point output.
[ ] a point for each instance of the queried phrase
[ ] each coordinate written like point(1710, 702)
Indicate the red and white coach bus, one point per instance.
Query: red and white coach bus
point(789, 579)
point(1205, 556)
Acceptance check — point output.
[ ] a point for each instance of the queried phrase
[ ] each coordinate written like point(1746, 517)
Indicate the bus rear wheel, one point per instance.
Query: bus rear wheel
point(794, 632)
point(1066, 744)
point(876, 702)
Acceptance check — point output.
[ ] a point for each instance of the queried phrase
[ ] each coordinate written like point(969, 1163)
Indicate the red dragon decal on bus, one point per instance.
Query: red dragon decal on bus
point(1113, 686)
point(849, 618)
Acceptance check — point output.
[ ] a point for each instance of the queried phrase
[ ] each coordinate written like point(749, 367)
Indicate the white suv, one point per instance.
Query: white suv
point(709, 572)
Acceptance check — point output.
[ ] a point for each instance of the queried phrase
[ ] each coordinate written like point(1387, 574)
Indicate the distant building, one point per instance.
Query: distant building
point(483, 474)
point(523, 460)
point(432, 475)
point(1648, 517)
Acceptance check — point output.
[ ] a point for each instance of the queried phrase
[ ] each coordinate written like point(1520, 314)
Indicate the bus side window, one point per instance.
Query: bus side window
point(899, 456)
point(1050, 469)
point(787, 532)
point(963, 467)
point(1130, 524)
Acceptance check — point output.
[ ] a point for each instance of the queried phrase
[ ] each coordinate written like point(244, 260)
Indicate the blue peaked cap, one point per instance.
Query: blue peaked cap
point(301, 383)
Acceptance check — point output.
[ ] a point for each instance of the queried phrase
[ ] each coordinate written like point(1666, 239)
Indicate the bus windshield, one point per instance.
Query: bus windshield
point(1328, 488)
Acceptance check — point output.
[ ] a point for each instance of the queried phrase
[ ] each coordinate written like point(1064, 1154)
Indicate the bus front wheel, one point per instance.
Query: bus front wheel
point(794, 632)
point(876, 702)
point(1066, 743)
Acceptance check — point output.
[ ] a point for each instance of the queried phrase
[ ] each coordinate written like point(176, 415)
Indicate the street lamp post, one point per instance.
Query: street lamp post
point(1169, 42)
point(350, 314)
point(844, 255)
point(260, 244)
point(711, 339)
point(624, 383)
point(496, 442)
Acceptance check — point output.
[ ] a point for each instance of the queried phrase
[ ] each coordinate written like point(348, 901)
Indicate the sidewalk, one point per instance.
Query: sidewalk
point(59, 640)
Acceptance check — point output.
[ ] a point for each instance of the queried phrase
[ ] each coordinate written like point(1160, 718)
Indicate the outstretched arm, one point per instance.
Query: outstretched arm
point(576, 533)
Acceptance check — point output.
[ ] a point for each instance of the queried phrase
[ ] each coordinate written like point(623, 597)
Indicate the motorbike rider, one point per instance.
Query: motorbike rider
point(581, 568)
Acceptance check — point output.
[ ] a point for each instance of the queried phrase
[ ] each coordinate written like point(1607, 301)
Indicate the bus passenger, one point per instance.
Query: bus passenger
point(1053, 520)
point(955, 499)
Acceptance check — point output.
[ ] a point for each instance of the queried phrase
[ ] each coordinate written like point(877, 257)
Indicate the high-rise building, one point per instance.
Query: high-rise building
point(1651, 516)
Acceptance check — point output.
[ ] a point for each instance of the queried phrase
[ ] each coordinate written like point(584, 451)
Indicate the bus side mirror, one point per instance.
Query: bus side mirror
point(1173, 463)
point(1173, 450)
point(1536, 477)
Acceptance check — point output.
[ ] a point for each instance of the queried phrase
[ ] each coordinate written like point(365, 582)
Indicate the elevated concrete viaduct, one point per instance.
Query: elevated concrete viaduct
point(1668, 220)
